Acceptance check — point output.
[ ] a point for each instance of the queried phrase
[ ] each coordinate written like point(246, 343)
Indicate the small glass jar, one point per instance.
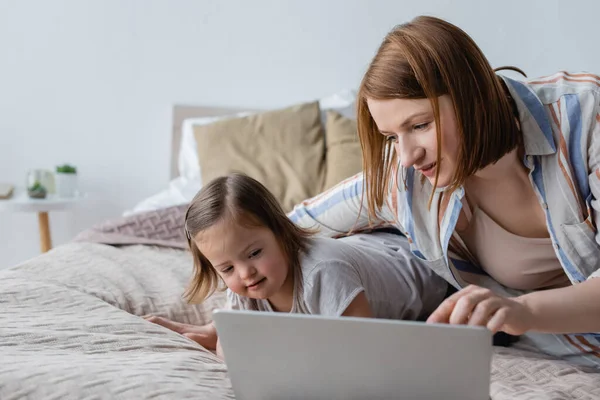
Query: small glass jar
point(39, 183)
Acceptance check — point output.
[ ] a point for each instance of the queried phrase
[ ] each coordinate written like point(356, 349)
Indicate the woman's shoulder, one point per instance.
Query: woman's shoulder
point(551, 88)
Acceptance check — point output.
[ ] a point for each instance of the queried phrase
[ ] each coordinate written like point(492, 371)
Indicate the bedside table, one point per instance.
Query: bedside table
point(20, 202)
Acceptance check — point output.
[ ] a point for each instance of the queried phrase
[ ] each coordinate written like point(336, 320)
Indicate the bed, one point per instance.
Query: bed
point(70, 319)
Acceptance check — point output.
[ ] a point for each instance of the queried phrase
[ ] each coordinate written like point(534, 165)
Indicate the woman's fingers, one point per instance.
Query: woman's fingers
point(484, 311)
point(465, 306)
point(441, 315)
point(498, 320)
point(457, 308)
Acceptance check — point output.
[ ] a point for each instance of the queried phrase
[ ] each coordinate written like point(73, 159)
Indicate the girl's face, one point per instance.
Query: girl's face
point(410, 125)
point(249, 259)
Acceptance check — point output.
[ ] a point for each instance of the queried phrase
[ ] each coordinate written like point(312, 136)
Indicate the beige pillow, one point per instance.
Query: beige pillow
point(283, 149)
point(344, 155)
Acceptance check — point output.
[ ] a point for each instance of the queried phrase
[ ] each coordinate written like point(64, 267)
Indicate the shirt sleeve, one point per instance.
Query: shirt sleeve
point(330, 287)
point(593, 201)
point(341, 209)
point(233, 301)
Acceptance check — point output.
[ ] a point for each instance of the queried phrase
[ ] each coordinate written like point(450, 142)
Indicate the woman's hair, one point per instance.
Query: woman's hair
point(243, 200)
point(428, 58)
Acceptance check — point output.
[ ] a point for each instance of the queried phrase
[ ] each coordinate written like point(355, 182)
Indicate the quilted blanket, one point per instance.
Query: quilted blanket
point(71, 326)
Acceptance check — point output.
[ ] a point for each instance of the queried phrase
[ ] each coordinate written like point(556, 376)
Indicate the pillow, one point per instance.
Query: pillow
point(344, 155)
point(283, 149)
point(343, 102)
point(183, 188)
point(187, 162)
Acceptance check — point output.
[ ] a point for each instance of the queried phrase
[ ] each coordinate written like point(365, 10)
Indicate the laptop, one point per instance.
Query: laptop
point(296, 356)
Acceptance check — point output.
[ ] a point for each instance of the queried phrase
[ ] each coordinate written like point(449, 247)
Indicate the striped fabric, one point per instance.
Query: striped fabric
point(559, 117)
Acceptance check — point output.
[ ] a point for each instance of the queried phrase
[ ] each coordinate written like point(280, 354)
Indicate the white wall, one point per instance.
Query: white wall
point(92, 82)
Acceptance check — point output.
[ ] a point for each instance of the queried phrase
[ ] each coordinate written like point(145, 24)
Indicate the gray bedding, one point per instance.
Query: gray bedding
point(70, 326)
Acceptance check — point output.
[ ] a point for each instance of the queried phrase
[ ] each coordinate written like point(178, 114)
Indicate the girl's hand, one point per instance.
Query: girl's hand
point(220, 350)
point(205, 336)
point(477, 306)
point(172, 325)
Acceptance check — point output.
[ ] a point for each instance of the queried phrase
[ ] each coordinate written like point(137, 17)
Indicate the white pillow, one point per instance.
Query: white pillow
point(183, 188)
point(180, 191)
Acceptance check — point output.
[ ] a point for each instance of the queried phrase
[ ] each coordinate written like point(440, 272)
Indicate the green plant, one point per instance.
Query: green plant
point(66, 169)
point(37, 191)
point(37, 187)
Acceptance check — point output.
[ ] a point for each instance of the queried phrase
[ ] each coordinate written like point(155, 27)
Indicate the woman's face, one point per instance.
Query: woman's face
point(410, 125)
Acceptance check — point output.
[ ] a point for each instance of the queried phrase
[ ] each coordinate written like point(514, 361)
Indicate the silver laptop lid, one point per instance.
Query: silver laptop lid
point(295, 356)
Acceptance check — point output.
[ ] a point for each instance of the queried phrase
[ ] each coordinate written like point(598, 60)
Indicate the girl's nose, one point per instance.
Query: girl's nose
point(247, 271)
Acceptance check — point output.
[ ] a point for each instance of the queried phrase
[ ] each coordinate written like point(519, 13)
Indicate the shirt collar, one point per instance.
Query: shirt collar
point(535, 124)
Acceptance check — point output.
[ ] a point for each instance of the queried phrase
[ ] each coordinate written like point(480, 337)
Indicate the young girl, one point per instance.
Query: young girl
point(239, 235)
point(495, 182)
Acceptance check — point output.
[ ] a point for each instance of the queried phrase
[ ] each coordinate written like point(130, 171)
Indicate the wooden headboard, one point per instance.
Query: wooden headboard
point(180, 113)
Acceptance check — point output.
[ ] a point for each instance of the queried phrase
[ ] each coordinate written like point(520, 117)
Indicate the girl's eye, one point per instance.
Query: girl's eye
point(255, 253)
point(421, 127)
point(227, 269)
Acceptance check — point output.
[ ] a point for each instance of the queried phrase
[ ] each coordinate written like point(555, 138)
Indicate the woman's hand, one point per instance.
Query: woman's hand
point(477, 306)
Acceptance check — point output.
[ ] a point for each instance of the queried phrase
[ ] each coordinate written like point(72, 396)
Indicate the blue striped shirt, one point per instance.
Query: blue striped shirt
point(559, 117)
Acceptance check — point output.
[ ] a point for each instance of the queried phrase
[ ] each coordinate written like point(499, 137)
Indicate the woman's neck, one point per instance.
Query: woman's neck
point(507, 168)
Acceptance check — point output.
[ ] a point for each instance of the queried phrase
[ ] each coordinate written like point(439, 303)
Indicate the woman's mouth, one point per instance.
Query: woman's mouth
point(429, 170)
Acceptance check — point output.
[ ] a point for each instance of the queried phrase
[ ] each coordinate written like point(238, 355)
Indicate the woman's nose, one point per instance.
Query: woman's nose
point(409, 154)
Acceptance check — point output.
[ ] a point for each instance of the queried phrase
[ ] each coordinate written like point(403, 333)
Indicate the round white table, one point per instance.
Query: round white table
point(20, 202)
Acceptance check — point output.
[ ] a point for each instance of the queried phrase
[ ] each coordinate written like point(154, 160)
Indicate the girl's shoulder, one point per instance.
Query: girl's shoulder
point(324, 249)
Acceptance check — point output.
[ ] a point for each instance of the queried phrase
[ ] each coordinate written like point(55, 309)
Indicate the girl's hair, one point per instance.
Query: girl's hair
point(243, 200)
point(428, 58)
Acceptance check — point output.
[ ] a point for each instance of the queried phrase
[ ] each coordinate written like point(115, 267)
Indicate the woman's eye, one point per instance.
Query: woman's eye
point(255, 253)
point(391, 138)
point(421, 127)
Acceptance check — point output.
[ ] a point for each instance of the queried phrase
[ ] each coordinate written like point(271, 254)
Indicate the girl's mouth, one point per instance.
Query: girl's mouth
point(256, 284)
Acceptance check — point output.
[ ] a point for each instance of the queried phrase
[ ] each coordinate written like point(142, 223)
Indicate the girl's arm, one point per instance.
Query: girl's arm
point(359, 307)
point(205, 336)
point(339, 210)
point(220, 350)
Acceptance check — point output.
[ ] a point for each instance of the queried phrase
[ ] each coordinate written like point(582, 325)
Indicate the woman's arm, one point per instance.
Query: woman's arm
point(572, 309)
point(339, 210)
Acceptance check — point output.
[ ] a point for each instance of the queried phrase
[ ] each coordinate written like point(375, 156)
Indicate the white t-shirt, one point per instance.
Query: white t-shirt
point(334, 271)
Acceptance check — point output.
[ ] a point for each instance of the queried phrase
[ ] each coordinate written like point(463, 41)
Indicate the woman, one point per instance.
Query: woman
point(494, 182)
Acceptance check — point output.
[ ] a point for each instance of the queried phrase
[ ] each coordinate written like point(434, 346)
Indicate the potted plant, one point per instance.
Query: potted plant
point(66, 180)
point(37, 191)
